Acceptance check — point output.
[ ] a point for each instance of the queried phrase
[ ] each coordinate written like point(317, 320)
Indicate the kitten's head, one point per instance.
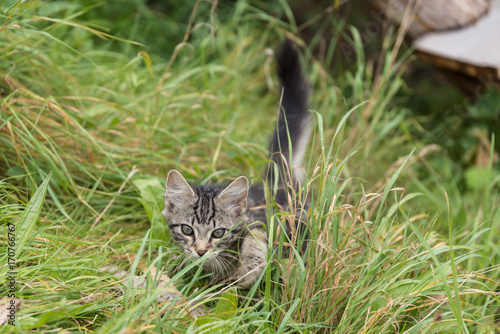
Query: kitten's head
point(204, 219)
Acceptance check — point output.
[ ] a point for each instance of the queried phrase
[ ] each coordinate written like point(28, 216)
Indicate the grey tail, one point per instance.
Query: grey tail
point(289, 143)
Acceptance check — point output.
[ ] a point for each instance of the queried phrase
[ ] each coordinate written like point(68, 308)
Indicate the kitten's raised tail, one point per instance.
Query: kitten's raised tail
point(289, 143)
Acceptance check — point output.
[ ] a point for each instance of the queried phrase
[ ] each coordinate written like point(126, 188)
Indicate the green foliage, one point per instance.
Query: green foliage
point(99, 99)
point(151, 197)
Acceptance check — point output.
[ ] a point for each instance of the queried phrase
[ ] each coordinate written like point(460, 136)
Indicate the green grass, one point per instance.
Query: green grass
point(100, 100)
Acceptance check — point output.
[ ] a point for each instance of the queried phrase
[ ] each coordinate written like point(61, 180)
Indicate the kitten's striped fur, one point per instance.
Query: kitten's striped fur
point(227, 225)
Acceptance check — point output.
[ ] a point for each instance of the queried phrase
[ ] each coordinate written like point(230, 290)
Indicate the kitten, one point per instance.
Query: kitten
point(227, 225)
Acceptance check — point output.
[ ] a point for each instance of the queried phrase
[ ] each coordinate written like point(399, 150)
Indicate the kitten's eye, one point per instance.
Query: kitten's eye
point(218, 233)
point(187, 230)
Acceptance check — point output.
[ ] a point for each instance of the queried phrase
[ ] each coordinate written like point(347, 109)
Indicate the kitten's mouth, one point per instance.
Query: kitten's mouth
point(196, 255)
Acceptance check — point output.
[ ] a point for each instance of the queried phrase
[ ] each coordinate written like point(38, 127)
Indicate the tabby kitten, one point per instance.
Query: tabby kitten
point(227, 225)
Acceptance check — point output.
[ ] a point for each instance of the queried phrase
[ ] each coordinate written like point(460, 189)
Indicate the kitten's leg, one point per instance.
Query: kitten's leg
point(253, 253)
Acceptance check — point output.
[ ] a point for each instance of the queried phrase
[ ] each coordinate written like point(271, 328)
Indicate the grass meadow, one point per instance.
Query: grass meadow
point(99, 100)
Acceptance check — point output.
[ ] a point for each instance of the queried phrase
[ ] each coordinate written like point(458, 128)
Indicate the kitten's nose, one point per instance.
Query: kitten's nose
point(201, 252)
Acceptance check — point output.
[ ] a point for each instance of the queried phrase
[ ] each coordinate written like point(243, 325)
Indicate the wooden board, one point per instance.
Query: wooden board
point(473, 50)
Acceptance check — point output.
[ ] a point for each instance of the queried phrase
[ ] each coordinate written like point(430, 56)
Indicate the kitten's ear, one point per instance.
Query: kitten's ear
point(234, 196)
point(179, 192)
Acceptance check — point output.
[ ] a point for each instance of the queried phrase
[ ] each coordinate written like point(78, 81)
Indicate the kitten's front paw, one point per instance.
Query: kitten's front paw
point(248, 276)
point(253, 254)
